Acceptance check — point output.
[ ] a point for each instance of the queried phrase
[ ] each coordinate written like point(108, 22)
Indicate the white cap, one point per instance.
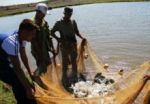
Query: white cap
point(42, 7)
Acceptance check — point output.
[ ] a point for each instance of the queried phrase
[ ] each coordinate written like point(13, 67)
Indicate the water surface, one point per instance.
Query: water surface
point(119, 33)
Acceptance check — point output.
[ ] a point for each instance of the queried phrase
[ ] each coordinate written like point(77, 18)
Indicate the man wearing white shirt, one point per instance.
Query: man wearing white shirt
point(10, 68)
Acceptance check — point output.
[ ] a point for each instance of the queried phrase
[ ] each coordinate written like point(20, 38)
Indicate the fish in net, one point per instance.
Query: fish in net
point(124, 90)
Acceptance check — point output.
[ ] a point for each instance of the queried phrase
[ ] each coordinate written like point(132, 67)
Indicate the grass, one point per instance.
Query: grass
point(6, 97)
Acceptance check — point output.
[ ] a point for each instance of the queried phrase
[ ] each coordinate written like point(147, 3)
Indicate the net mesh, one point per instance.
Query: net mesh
point(127, 88)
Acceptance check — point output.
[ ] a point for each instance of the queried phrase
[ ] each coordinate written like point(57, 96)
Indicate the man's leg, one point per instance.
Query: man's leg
point(65, 63)
point(73, 58)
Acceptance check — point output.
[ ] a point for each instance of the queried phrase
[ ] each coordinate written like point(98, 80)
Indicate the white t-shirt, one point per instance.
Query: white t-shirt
point(11, 45)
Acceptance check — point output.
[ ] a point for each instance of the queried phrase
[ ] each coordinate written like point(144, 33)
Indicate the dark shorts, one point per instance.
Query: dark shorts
point(69, 53)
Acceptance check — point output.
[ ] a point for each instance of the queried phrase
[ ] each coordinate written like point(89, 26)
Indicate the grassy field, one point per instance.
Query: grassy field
point(55, 4)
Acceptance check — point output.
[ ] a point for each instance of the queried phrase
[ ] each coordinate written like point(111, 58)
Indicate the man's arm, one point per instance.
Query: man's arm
point(79, 35)
point(36, 50)
point(54, 29)
point(50, 41)
point(76, 29)
point(25, 60)
point(52, 49)
point(19, 72)
point(21, 76)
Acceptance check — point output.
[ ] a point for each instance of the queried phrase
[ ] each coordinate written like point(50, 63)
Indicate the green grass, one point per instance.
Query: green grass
point(6, 97)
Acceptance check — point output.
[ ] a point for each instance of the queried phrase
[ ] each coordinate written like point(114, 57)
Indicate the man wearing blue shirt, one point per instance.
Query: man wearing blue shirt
point(10, 68)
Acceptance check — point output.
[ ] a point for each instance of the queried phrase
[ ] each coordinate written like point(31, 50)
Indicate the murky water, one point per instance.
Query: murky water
point(118, 32)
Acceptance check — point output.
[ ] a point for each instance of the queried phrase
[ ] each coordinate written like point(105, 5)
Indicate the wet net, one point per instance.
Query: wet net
point(127, 89)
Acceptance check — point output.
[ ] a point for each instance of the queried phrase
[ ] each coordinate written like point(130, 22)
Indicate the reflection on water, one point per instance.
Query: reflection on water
point(118, 32)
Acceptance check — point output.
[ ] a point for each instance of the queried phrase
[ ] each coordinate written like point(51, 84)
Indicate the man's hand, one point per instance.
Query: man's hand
point(30, 93)
point(84, 41)
point(146, 77)
point(59, 40)
point(54, 53)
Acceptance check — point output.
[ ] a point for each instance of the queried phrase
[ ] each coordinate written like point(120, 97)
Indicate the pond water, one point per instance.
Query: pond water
point(119, 33)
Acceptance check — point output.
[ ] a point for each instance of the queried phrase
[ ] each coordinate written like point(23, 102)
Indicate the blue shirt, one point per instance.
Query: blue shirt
point(9, 45)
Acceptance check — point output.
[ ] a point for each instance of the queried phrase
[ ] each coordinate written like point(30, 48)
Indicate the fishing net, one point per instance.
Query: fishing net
point(125, 89)
point(146, 92)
